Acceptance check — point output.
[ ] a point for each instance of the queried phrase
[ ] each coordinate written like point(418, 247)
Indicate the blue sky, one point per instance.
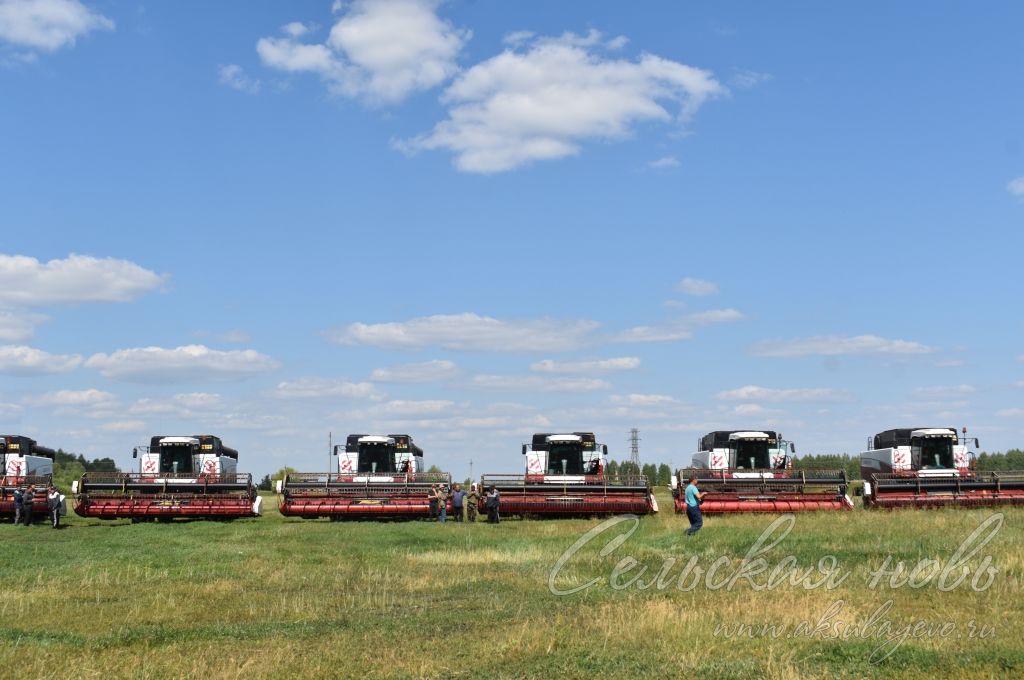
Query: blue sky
point(476, 220)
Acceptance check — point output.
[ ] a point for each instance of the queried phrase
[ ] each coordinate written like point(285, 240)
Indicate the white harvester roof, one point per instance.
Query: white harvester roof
point(934, 432)
point(564, 438)
point(191, 441)
point(748, 435)
point(376, 439)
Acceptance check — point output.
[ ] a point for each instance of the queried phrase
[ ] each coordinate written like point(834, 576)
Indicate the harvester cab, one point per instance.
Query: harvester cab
point(568, 458)
point(192, 476)
point(566, 476)
point(187, 456)
point(380, 458)
point(752, 471)
point(932, 467)
point(378, 477)
point(23, 462)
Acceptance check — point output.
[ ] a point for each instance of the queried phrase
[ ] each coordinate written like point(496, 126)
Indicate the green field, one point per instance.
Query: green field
point(275, 598)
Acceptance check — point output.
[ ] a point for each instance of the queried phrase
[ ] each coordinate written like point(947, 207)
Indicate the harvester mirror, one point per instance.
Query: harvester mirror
point(976, 444)
point(604, 449)
point(524, 449)
point(135, 452)
point(792, 447)
point(335, 451)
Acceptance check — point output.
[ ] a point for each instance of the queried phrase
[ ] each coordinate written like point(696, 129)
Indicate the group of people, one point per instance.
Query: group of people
point(25, 505)
point(463, 503)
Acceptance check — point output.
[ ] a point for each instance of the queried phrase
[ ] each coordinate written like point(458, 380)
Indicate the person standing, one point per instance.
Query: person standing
point(472, 499)
point(432, 499)
point(19, 505)
point(442, 504)
point(53, 506)
point(458, 500)
point(493, 505)
point(694, 496)
point(27, 501)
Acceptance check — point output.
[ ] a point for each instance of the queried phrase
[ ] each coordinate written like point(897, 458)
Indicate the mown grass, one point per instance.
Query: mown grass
point(274, 597)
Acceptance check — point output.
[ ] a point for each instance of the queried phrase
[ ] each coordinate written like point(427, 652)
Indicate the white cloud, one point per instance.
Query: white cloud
point(750, 410)
point(592, 366)
point(642, 399)
point(90, 397)
point(681, 329)
point(403, 407)
point(381, 49)
point(21, 360)
point(664, 162)
point(315, 388)
point(25, 281)
point(536, 383)
point(469, 332)
point(541, 98)
point(1011, 413)
point(838, 345)
point(426, 371)
point(699, 287)
point(746, 79)
point(124, 426)
point(189, 363)
point(48, 25)
point(754, 392)
point(1016, 186)
point(234, 76)
point(949, 363)
point(235, 337)
point(17, 327)
point(940, 391)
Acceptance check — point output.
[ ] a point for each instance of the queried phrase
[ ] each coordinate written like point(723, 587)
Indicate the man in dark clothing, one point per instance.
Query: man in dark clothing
point(27, 501)
point(493, 504)
point(53, 506)
point(458, 496)
point(19, 506)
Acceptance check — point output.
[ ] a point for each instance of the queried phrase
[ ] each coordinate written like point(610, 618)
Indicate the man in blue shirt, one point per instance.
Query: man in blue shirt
point(693, 499)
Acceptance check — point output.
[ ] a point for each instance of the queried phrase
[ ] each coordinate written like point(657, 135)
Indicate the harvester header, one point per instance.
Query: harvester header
point(566, 476)
point(752, 471)
point(378, 476)
point(180, 476)
point(929, 467)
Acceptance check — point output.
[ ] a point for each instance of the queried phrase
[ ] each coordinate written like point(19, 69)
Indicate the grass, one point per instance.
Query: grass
point(274, 597)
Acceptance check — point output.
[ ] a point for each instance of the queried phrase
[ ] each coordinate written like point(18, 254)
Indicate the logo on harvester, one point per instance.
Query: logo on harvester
point(14, 468)
point(346, 465)
point(717, 460)
point(149, 466)
point(209, 466)
point(534, 465)
point(899, 458)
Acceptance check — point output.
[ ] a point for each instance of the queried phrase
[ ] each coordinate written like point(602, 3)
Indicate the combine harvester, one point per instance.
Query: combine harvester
point(930, 468)
point(565, 477)
point(379, 476)
point(190, 477)
point(752, 471)
point(23, 462)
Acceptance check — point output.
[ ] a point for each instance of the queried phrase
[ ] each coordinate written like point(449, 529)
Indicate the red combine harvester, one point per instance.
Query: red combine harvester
point(752, 471)
point(379, 477)
point(929, 468)
point(23, 462)
point(192, 477)
point(565, 477)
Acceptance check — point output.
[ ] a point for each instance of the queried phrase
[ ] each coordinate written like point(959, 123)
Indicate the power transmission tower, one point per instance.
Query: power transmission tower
point(634, 447)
